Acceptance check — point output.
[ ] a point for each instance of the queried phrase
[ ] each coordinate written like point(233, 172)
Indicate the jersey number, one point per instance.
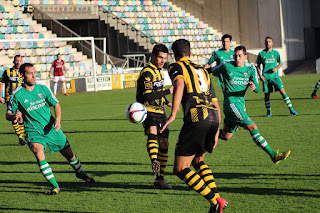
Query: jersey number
point(202, 81)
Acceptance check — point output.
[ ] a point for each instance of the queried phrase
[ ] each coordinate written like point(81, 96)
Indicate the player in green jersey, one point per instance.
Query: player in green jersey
point(314, 93)
point(238, 76)
point(224, 54)
point(32, 103)
point(271, 62)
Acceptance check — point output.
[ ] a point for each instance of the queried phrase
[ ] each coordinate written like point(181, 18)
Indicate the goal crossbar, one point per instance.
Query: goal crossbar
point(91, 39)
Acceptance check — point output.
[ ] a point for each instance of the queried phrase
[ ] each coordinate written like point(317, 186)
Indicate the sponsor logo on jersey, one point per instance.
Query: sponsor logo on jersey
point(158, 83)
point(40, 95)
point(36, 105)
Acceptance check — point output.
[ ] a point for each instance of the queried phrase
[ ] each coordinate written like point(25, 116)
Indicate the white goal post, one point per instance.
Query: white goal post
point(91, 39)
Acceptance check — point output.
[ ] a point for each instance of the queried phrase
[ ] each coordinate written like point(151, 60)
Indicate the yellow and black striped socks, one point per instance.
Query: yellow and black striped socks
point(194, 181)
point(16, 127)
point(21, 130)
point(206, 174)
point(152, 147)
point(46, 170)
point(163, 159)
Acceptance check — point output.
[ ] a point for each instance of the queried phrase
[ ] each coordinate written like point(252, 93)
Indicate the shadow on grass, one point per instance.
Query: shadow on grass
point(37, 210)
point(286, 115)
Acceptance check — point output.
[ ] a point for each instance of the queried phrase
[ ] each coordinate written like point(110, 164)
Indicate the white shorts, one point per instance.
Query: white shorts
point(59, 78)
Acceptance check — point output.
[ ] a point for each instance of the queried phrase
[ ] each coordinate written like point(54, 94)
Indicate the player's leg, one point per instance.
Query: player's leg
point(227, 132)
point(64, 85)
point(163, 159)
point(267, 103)
point(287, 100)
point(260, 141)
point(314, 93)
point(153, 149)
point(182, 169)
point(267, 89)
point(45, 169)
point(206, 175)
point(75, 164)
point(55, 84)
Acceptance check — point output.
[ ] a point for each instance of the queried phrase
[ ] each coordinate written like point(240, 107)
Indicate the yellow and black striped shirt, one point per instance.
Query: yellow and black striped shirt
point(151, 89)
point(198, 92)
point(11, 78)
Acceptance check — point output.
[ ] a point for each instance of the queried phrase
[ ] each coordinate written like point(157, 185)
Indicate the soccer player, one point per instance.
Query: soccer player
point(58, 74)
point(224, 54)
point(11, 79)
point(271, 62)
point(151, 92)
point(31, 102)
point(238, 76)
point(314, 93)
point(199, 133)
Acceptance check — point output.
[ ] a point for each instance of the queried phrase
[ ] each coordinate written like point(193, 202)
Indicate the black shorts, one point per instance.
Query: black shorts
point(157, 120)
point(196, 138)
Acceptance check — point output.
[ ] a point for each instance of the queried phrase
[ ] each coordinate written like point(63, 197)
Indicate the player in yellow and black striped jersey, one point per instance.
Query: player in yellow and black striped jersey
point(12, 80)
point(199, 133)
point(151, 92)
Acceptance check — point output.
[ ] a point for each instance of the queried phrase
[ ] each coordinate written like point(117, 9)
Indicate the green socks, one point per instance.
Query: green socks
point(47, 173)
point(261, 142)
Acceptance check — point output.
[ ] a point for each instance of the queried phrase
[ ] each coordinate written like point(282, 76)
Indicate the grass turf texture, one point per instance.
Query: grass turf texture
point(112, 150)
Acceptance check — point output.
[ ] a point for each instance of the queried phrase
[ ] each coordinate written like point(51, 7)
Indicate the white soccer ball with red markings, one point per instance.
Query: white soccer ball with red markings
point(136, 113)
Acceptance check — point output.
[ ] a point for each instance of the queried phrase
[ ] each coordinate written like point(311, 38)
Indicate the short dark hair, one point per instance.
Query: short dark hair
point(159, 48)
point(226, 36)
point(268, 37)
point(243, 48)
point(23, 67)
point(16, 56)
point(181, 48)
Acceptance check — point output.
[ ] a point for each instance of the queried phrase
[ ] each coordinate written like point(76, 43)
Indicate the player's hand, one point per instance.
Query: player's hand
point(262, 78)
point(18, 117)
point(171, 89)
point(57, 126)
point(169, 104)
point(2, 100)
point(274, 70)
point(170, 120)
point(252, 85)
point(50, 75)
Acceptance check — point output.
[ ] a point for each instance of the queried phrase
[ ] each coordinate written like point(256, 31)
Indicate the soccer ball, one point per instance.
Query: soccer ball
point(136, 112)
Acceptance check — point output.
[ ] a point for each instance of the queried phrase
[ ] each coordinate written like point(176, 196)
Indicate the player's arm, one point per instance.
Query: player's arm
point(277, 68)
point(177, 97)
point(210, 61)
point(149, 94)
point(216, 70)
point(257, 65)
point(254, 82)
point(57, 110)
point(216, 104)
point(279, 60)
point(4, 79)
point(13, 114)
point(65, 69)
point(1, 99)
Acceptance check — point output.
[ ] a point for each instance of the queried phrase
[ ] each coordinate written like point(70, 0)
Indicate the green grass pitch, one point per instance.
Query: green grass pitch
point(112, 150)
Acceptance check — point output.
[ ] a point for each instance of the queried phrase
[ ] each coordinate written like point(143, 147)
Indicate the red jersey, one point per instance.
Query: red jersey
point(58, 67)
